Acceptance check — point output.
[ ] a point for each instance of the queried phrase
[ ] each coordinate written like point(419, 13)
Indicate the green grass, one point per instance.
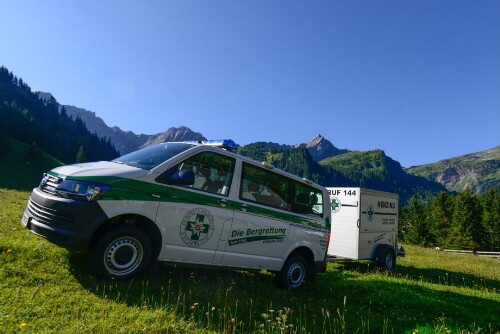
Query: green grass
point(18, 173)
point(46, 289)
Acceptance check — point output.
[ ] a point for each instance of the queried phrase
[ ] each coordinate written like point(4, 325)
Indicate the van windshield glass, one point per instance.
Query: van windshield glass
point(150, 157)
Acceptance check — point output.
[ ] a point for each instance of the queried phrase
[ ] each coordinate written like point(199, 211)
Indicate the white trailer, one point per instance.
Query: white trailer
point(364, 225)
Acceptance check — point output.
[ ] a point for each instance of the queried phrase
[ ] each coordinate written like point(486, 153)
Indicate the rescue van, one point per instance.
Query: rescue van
point(364, 225)
point(198, 204)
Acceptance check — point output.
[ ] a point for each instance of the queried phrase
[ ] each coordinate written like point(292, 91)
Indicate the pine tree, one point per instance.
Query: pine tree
point(441, 212)
point(467, 231)
point(416, 227)
point(82, 155)
point(491, 219)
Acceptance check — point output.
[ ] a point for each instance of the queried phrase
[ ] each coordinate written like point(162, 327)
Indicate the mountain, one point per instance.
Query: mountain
point(126, 141)
point(478, 171)
point(371, 169)
point(375, 170)
point(25, 117)
point(320, 148)
point(173, 134)
point(42, 123)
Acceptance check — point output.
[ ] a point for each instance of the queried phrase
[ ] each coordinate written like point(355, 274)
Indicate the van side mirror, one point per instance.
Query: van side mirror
point(179, 178)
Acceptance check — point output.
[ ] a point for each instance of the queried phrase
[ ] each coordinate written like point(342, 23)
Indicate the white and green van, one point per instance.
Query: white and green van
point(185, 203)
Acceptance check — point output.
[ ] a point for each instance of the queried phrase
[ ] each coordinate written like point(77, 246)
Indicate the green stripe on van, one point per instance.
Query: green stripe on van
point(134, 190)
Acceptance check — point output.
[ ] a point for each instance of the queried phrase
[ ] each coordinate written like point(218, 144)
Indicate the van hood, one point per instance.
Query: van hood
point(101, 168)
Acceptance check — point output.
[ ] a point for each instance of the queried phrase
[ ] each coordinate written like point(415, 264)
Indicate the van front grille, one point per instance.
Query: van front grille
point(48, 216)
point(49, 184)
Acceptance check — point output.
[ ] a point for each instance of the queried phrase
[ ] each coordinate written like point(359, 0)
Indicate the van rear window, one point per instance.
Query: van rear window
point(267, 188)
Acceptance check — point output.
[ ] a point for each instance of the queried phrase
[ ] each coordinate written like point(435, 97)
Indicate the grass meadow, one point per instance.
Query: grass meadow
point(46, 289)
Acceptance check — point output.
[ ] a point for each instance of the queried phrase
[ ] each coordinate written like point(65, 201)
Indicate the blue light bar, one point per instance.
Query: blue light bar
point(227, 144)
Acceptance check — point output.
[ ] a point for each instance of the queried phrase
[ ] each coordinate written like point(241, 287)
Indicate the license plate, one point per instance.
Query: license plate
point(25, 220)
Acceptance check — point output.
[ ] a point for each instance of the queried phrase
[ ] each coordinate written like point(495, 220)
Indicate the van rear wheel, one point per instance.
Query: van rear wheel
point(122, 252)
point(293, 274)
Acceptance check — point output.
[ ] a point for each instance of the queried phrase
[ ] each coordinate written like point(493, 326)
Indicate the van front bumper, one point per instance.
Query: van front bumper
point(66, 222)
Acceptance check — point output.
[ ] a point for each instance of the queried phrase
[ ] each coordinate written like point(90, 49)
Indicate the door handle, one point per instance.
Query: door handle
point(223, 202)
point(244, 207)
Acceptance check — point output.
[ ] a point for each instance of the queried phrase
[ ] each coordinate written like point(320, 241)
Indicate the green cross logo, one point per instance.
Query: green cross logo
point(197, 227)
point(335, 204)
point(370, 213)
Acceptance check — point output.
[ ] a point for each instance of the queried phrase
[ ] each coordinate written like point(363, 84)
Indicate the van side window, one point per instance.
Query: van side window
point(267, 188)
point(307, 200)
point(213, 172)
point(264, 187)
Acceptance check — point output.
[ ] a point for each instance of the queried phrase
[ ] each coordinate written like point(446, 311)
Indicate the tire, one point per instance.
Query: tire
point(122, 252)
point(294, 273)
point(387, 259)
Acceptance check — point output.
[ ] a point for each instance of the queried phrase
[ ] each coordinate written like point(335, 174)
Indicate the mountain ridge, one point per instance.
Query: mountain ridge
point(478, 171)
point(125, 141)
point(455, 177)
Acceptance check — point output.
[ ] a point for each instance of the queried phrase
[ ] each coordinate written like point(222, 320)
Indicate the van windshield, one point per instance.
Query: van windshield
point(151, 156)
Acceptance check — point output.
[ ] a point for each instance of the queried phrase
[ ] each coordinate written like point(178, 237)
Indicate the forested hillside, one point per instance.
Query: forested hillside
point(124, 141)
point(36, 122)
point(463, 221)
point(40, 122)
point(375, 170)
point(372, 169)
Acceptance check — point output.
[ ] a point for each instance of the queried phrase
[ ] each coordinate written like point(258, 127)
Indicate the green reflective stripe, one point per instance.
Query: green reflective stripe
point(135, 190)
point(233, 242)
point(295, 219)
point(174, 195)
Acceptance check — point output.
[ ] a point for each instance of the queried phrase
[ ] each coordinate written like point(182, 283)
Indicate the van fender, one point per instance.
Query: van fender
point(143, 214)
point(303, 247)
point(140, 208)
point(302, 240)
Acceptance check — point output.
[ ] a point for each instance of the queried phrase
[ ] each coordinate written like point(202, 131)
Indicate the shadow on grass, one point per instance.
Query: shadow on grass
point(429, 275)
point(351, 295)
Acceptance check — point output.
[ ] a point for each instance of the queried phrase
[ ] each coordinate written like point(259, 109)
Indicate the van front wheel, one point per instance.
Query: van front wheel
point(122, 252)
point(293, 274)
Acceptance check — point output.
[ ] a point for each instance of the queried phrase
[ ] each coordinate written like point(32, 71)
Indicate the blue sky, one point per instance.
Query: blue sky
point(418, 79)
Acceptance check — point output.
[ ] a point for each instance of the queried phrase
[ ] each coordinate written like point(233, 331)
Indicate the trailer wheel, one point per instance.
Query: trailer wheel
point(122, 252)
point(386, 259)
point(293, 274)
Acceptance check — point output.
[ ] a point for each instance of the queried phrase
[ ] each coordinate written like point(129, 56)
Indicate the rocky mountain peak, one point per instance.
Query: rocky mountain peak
point(320, 148)
point(317, 141)
point(174, 135)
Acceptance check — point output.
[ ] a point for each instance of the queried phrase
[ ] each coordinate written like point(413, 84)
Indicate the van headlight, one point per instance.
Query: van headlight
point(82, 190)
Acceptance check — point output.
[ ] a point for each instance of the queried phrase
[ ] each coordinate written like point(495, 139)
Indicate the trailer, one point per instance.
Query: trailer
point(364, 226)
